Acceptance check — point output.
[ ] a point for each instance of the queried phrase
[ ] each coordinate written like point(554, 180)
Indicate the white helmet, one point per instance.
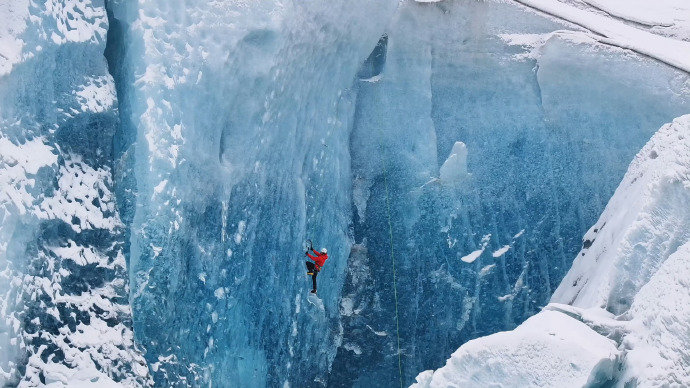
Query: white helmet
point(324, 250)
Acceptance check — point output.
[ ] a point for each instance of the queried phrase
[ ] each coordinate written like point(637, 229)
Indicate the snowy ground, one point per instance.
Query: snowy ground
point(567, 349)
point(662, 33)
point(664, 17)
point(626, 314)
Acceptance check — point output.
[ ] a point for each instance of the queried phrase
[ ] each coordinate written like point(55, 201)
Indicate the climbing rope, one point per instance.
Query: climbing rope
point(395, 284)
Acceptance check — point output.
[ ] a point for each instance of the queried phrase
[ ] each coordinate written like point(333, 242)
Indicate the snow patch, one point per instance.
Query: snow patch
point(549, 349)
point(472, 256)
point(19, 162)
point(501, 251)
point(486, 270)
point(97, 95)
point(617, 33)
point(239, 235)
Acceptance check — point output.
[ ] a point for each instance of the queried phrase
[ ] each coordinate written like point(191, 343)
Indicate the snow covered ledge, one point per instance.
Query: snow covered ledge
point(627, 317)
point(550, 349)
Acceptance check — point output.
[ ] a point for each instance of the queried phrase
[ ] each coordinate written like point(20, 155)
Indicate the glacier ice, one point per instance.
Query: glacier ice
point(627, 292)
point(171, 190)
point(63, 287)
point(637, 233)
point(455, 167)
point(234, 150)
point(544, 153)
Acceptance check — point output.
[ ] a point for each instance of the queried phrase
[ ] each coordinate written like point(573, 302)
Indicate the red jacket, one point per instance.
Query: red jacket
point(319, 259)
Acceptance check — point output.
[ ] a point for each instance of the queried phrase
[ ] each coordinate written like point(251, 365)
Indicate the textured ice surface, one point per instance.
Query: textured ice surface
point(549, 122)
point(235, 139)
point(634, 263)
point(63, 285)
point(488, 136)
point(242, 134)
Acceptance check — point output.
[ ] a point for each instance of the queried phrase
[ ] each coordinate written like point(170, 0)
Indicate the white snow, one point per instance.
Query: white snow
point(353, 348)
point(78, 186)
point(77, 20)
point(664, 17)
point(160, 187)
point(79, 254)
point(612, 31)
point(378, 333)
point(97, 95)
point(635, 261)
point(548, 350)
point(373, 79)
point(346, 307)
point(474, 255)
point(13, 13)
point(54, 22)
point(487, 269)
point(501, 251)
point(54, 176)
point(241, 227)
point(643, 224)
point(92, 379)
point(659, 343)
point(18, 165)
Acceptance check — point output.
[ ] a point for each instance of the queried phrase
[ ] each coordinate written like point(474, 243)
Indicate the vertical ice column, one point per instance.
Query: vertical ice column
point(393, 150)
point(240, 119)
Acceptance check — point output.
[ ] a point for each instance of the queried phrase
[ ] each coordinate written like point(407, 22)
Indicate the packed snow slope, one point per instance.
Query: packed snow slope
point(621, 315)
point(630, 26)
point(469, 143)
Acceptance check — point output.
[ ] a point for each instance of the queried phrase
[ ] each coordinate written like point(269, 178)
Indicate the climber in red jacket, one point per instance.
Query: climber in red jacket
point(314, 268)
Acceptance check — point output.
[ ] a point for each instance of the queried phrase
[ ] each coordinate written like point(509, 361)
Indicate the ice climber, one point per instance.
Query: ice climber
point(314, 268)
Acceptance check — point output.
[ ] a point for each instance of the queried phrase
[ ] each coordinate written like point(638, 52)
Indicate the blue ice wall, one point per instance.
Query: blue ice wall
point(548, 133)
point(247, 127)
point(236, 145)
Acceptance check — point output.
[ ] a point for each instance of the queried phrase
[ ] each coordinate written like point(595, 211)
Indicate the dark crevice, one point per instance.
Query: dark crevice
point(124, 182)
point(375, 63)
